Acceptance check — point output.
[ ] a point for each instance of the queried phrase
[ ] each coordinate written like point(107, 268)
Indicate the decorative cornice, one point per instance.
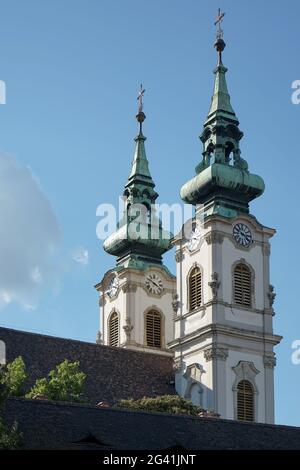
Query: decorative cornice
point(211, 329)
point(201, 310)
point(204, 306)
point(245, 370)
point(142, 270)
point(129, 287)
point(214, 352)
point(265, 246)
point(270, 361)
point(214, 237)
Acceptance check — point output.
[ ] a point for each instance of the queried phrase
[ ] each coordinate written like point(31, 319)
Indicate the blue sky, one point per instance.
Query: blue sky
point(72, 70)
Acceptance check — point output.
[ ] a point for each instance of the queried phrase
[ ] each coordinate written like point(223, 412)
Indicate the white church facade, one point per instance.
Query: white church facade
point(223, 327)
point(215, 317)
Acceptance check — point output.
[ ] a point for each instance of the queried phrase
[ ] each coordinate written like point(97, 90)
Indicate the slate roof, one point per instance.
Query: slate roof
point(112, 373)
point(53, 425)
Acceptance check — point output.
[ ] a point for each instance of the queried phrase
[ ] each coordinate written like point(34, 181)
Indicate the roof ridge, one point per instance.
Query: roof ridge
point(98, 346)
point(152, 413)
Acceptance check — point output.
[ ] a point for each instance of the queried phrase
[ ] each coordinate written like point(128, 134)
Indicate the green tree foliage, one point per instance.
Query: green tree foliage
point(10, 438)
point(64, 383)
point(13, 377)
point(165, 404)
point(4, 392)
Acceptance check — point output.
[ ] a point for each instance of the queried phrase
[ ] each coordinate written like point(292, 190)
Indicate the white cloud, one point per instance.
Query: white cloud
point(5, 299)
point(29, 236)
point(36, 275)
point(81, 255)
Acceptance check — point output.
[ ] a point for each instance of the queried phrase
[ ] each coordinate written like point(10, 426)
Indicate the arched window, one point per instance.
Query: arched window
point(113, 329)
point(195, 288)
point(229, 147)
point(242, 285)
point(245, 401)
point(153, 329)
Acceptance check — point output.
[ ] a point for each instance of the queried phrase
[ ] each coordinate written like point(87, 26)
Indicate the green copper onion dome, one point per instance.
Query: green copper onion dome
point(223, 183)
point(140, 238)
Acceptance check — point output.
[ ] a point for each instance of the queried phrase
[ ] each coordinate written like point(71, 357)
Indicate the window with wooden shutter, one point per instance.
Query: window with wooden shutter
point(242, 285)
point(195, 288)
point(114, 329)
point(245, 401)
point(153, 329)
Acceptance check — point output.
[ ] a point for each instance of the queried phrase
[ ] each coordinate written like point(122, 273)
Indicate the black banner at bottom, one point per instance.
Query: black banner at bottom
point(134, 459)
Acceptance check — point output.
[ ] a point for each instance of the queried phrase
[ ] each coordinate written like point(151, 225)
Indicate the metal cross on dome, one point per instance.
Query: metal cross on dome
point(218, 22)
point(140, 98)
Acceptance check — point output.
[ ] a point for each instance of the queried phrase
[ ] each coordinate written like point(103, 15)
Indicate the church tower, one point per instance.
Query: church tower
point(136, 295)
point(224, 336)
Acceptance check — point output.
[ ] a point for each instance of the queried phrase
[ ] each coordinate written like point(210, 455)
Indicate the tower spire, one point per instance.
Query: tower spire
point(140, 168)
point(223, 182)
point(220, 103)
point(147, 246)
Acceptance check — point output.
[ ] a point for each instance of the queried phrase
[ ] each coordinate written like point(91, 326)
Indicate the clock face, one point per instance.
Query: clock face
point(242, 234)
point(154, 283)
point(113, 286)
point(195, 238)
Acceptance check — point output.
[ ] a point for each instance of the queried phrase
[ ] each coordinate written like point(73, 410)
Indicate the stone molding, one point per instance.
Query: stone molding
point(193, 375)
point(245, 370)
point(270, 361)
point(129, 287)
point(214, 352)
point(208, 330)
point(194, 372)
point(214, 237)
